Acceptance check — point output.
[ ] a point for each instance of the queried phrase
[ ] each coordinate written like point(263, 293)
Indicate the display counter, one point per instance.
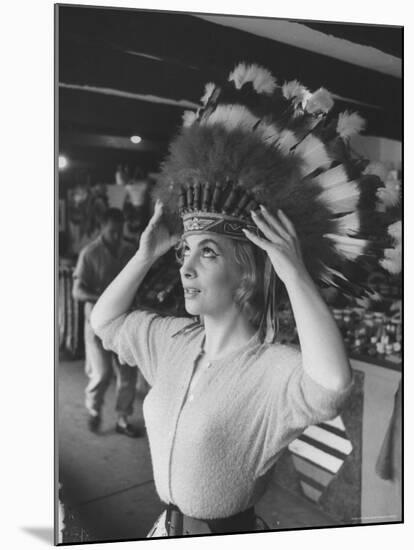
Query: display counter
point(380, 498)
point(338, 466)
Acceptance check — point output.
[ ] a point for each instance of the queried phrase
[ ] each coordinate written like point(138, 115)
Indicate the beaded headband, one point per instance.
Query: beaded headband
point(222, 208)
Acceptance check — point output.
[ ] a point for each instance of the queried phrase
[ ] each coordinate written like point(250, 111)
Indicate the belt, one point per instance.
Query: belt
point(178, 524)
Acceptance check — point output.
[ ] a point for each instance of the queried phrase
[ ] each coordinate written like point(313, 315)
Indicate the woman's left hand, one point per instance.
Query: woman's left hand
point(280, 242)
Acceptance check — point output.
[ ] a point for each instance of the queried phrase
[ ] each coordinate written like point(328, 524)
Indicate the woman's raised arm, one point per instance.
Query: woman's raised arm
point(323, 352)
point(118, 296)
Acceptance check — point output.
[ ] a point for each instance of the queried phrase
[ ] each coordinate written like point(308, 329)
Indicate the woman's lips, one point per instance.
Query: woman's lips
point(191, 292)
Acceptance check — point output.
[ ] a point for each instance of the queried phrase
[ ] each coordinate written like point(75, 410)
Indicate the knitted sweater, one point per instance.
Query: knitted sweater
point(211, 450)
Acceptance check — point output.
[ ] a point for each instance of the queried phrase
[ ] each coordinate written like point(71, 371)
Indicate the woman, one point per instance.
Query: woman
point(225, 399)
point(224, 417)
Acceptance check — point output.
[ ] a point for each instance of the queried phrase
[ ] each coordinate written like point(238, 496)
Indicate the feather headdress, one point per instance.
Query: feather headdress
point(393, 255)
point(255, 142)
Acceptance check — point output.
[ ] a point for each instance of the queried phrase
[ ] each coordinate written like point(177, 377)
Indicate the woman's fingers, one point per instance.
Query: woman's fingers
point(268, 231)
point(156, 216)
point(274, 222)
point(258, 241)
point(287, 223)
point(158, 209)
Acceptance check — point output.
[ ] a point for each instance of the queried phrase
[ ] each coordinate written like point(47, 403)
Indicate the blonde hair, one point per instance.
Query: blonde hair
point(249, 296)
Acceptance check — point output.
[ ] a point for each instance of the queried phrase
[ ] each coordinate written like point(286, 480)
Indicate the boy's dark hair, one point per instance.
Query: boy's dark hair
point(112, 215)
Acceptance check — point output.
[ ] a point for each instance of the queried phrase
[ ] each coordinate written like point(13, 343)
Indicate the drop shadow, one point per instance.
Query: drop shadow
point(43, 533)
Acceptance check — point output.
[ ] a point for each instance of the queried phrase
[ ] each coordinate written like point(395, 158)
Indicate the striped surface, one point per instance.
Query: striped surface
point(318, 454)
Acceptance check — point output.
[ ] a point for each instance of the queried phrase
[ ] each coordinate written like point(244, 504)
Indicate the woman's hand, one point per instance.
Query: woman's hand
point(156, 239)
point(280, 242)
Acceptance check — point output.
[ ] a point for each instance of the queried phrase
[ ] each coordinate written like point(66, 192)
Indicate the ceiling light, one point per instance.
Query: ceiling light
point(135, 139)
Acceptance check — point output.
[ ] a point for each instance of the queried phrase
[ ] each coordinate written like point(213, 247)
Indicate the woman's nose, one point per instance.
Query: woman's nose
point(187, 269)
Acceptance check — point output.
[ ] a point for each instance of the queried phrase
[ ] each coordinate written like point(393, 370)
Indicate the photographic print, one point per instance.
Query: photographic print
point(229, 289)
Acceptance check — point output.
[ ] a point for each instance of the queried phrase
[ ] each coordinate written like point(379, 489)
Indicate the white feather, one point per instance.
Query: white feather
point(262, 80)
point(349, 124)
point(208, 90)
point(395, 231)
point(314, 154)
point(269, 133)
point(319, 101)
point(232, 117)
point(287, 140)
point(376, 169)
point(349, 224)
point(349, 247)
point(341, 198)
point(332, 177)
point(390, 194)
point(392, 261)
point(295, 91)
point(189, 117)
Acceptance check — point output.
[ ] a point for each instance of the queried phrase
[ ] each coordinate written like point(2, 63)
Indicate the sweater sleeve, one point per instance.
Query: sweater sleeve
point(309, 401)
point(295, 401)
point(141, 339)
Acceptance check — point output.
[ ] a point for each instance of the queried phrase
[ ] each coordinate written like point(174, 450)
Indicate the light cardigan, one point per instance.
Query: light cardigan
point(211, 450)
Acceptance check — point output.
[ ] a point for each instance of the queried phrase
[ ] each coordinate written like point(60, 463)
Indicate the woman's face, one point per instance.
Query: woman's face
point(209, 274)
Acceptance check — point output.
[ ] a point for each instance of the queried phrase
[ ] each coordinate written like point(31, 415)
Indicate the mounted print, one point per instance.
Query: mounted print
point(229, 303)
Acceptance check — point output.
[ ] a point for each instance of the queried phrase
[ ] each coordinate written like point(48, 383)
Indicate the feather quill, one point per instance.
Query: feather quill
point(208, 90)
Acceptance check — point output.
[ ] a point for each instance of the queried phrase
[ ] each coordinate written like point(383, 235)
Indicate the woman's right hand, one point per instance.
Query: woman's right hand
point(156, 239)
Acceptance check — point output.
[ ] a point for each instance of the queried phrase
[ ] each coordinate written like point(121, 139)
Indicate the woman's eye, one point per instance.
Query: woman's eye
point(208, 252)
point(185, 250)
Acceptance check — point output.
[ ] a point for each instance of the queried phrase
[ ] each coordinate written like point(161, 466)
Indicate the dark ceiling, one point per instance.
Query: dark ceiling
point(172, 56)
